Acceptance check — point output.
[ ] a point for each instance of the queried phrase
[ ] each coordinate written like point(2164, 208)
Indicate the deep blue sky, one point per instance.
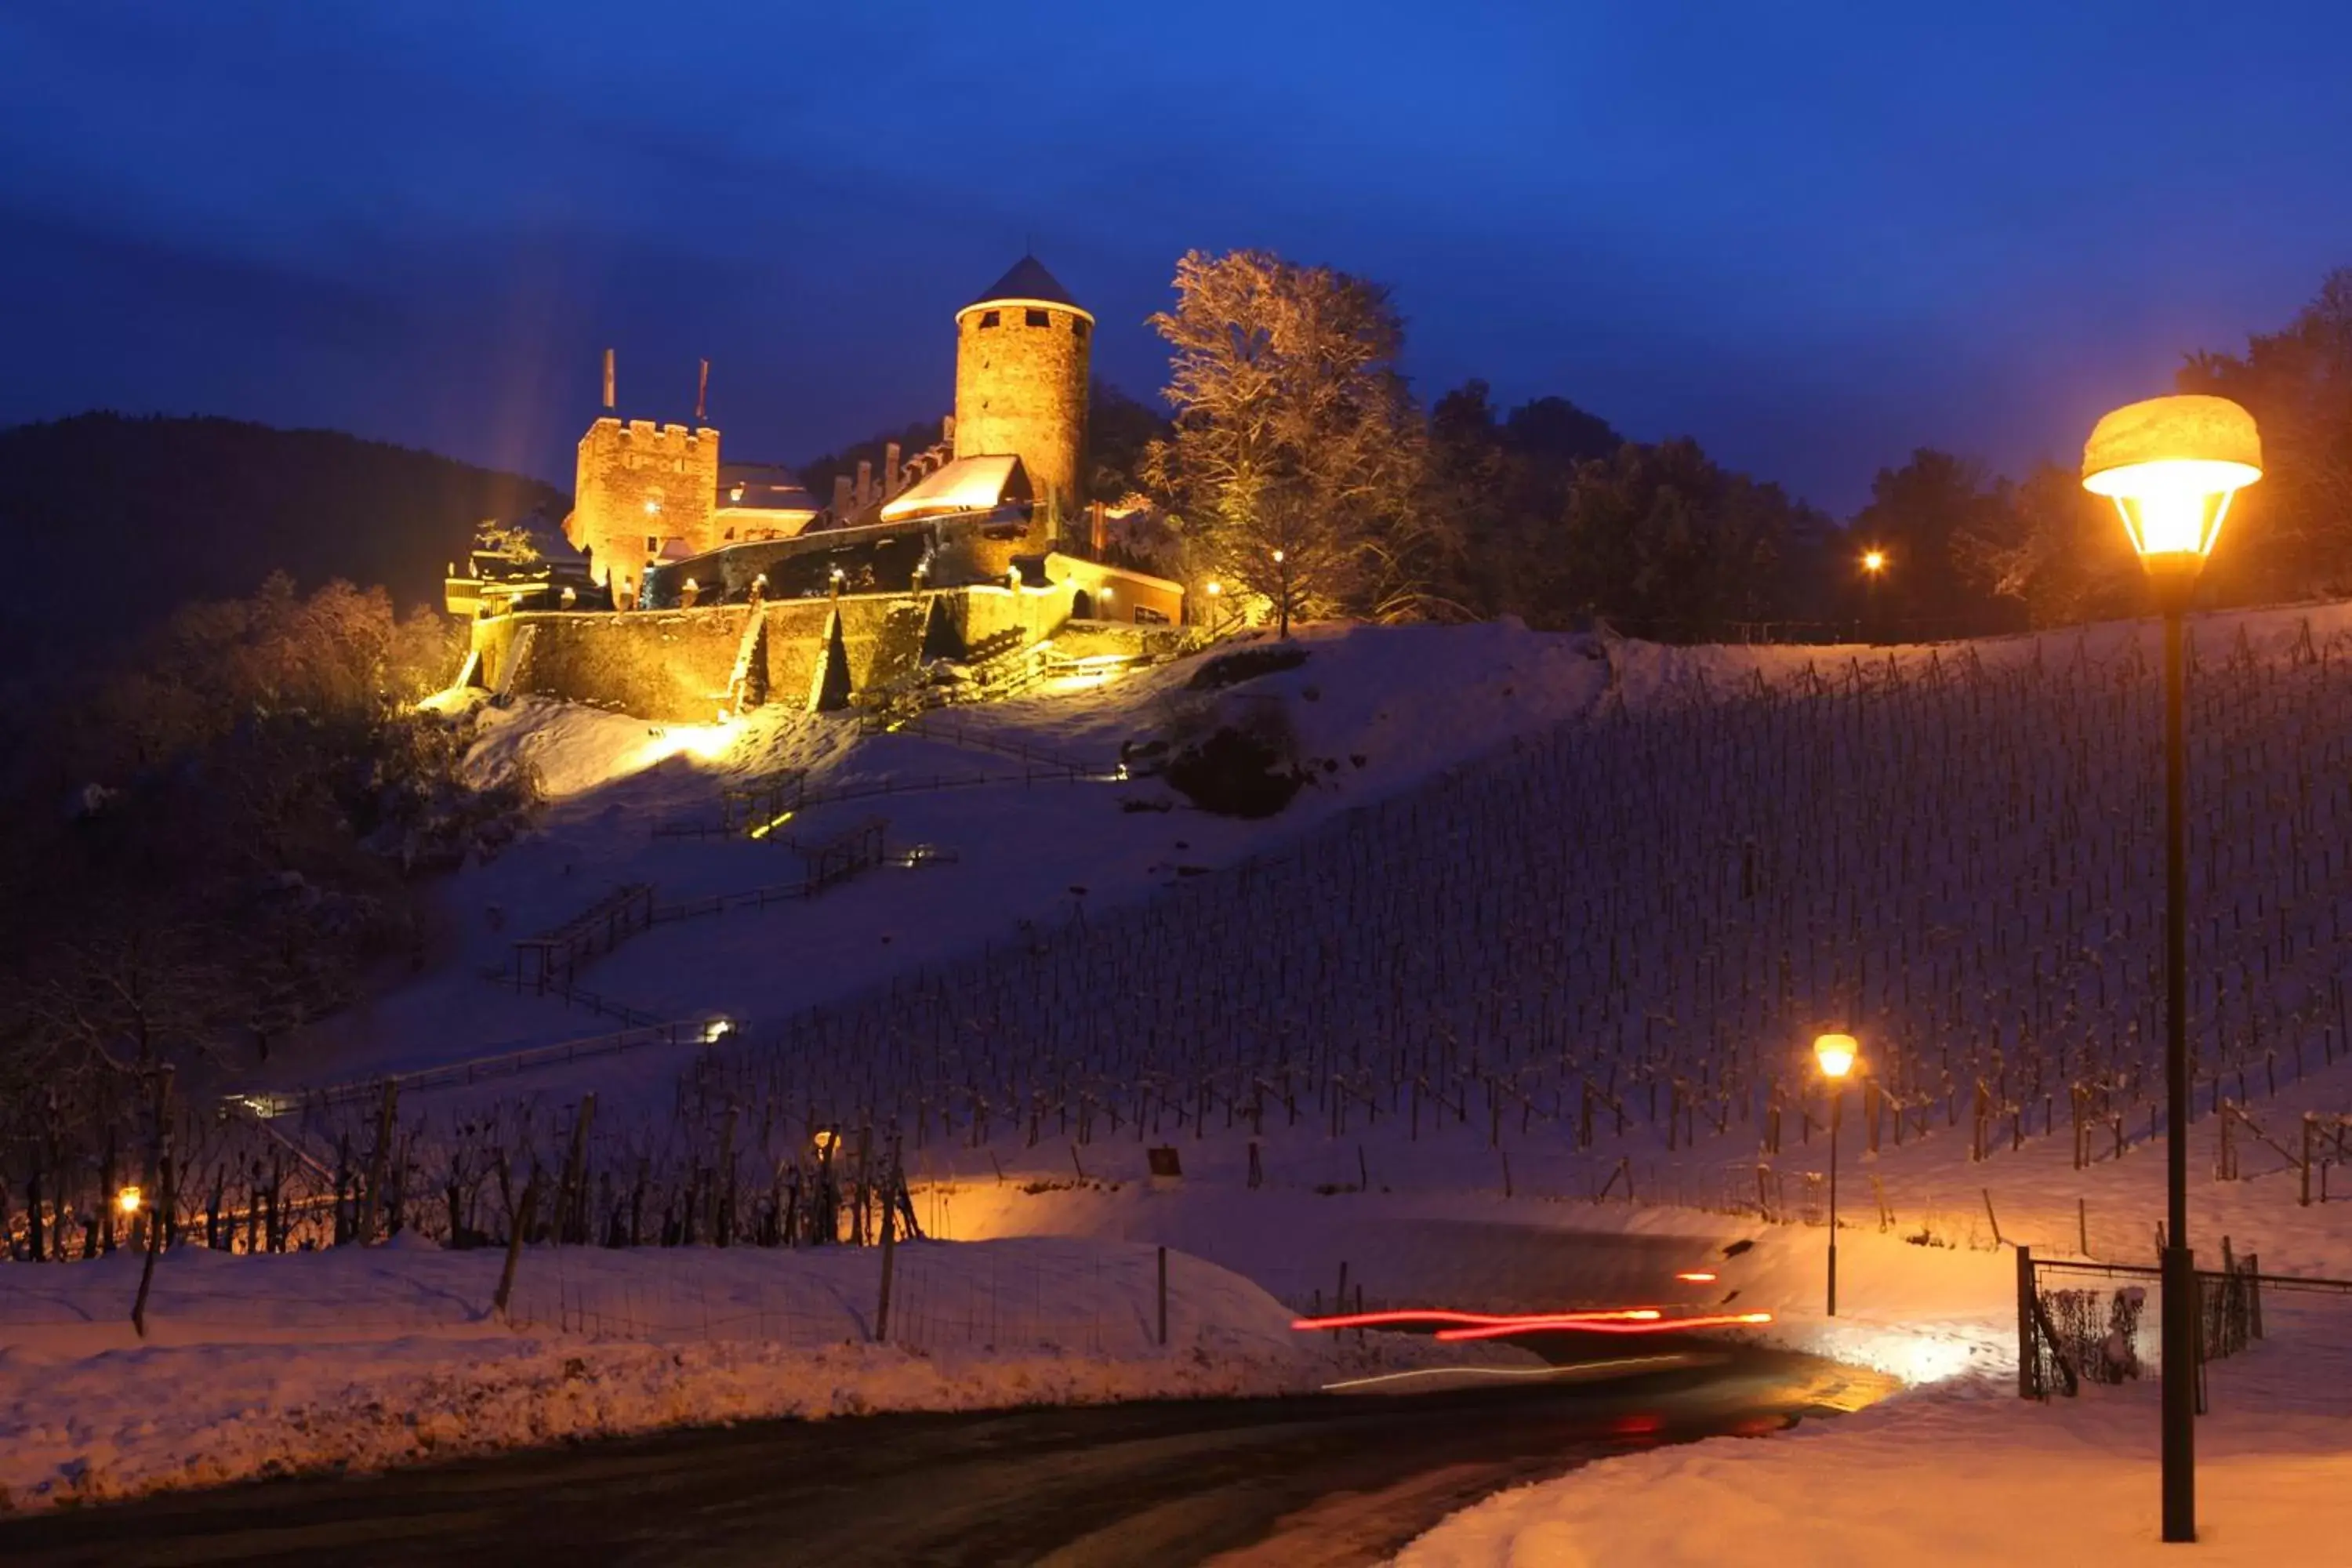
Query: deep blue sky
point(1813, 234)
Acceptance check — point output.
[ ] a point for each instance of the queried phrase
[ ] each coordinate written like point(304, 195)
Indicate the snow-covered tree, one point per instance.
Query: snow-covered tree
point(1296, 453)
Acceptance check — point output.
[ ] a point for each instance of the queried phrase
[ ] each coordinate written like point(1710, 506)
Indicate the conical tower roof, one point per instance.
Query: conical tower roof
point(1027, 282)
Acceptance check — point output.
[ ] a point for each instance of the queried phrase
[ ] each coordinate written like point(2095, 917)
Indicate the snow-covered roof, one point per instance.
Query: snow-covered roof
point(764, 486)
point(967, 484)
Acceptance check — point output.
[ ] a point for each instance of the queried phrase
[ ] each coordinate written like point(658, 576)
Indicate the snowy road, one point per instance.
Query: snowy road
point(1298, 1481)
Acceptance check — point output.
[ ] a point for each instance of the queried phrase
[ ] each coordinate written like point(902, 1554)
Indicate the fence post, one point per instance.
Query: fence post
point(376, 1161)
point(571, 1204)
point(514, 1247)
point(890, 1251)
point(1164, 1298)
point(2028, 1356)
point(2310, 1128)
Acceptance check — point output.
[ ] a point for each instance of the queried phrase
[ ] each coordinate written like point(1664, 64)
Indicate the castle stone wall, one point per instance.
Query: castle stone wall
point(673, 666)
point(982, 613)
point(667, 665)
point(881, 635)
point(637, 487)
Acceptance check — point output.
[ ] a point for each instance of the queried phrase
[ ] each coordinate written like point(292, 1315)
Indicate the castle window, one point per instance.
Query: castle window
point(653, 545)
point(1078, 328)
point(1040, 318)
point(988, 318)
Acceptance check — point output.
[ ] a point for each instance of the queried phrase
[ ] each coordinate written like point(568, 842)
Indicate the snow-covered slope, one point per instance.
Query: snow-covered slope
point(1568, 929)
point(1378, 711)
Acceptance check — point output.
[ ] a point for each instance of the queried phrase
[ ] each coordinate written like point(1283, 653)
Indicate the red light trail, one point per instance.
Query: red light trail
point(1496, 1325)
point(1474, 1319)
point(1588, 1326)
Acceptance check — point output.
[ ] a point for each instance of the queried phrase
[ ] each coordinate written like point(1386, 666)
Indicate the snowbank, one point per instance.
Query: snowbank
point(360, 1359)
point(1967, 1473)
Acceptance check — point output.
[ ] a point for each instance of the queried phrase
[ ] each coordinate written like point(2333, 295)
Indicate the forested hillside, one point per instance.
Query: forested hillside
point(109, 523)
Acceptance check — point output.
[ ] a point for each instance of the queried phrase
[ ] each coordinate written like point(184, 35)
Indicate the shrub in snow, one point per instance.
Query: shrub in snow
point(1248, 664)
point(1245, 768)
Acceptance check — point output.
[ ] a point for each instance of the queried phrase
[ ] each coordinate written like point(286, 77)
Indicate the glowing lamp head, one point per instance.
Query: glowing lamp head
point(1873, 561)
point(825, 1139)
point(1215, 588)
point(130, 1200)
point(1277, 558)
point(1836, 1055)
point(2170, 465)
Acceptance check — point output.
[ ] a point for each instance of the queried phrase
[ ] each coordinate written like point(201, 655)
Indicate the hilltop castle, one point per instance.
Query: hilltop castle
point(975, 548)
point(647, 496)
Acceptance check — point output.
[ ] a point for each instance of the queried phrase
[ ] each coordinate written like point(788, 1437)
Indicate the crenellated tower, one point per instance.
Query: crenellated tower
point(641, 490)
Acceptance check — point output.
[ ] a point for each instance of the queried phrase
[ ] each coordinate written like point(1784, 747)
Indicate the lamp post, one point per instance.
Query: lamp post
point(1835, 1054)
point(2170, 465)
point(1282, 577)
point(1874, 567)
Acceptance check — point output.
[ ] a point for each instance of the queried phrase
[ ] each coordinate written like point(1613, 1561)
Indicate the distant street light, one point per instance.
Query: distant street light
point(1874, 567)
point(1835, 1054)
point(1282, 611)
point(1873, 561)
point(2170, 465)
point(130, 1200)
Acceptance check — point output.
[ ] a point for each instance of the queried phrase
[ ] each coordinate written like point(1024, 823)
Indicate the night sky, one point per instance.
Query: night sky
point(1814, 236)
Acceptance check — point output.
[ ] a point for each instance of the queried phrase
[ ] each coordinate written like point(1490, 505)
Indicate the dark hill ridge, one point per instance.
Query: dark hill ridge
point(109, 523)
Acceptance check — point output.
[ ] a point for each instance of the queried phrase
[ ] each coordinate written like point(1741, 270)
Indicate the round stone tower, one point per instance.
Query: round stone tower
point(1022, 353)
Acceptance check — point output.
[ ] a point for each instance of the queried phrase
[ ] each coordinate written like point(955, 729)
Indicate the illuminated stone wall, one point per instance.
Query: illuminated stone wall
point(675, 665)
point(1022, 389)
point(639, 485)
point(881, 636)
point(669, 665)
point(1117, 593)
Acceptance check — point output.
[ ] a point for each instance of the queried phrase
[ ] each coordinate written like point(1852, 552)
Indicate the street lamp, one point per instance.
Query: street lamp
point(1282, 611)
point(1836, 1055)
point(2171, 465)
